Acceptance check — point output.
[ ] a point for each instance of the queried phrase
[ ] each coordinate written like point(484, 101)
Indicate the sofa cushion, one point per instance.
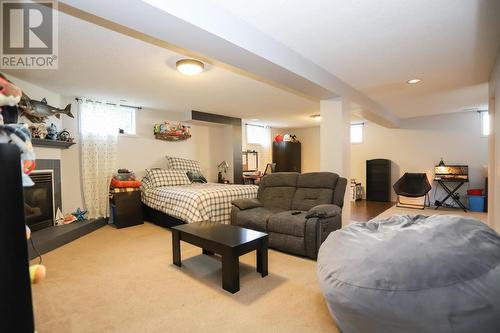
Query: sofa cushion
point(318, 180)
point(307, 198)
point(280, 179)
point(247, 203)
point(277, 197)
point(255, 218)
point(286, 223)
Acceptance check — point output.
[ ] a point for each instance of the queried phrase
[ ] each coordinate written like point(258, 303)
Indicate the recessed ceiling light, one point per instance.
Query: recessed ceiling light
point(413, 81)
point(316, 117)
point(189, 66)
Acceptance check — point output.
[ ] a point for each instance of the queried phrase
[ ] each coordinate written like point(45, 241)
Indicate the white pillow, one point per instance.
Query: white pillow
point(163, 177)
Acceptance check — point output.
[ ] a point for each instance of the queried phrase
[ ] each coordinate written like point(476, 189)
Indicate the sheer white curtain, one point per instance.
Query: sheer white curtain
point(98, 135)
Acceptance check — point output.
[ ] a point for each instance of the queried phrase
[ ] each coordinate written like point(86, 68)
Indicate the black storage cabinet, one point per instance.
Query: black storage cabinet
point(378, 180)
point(287, 156)
point(15, 288)
point(126, 209)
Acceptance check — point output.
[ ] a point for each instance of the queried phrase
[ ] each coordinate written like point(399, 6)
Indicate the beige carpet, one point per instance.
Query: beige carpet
point(124, 281)
point(431, 211)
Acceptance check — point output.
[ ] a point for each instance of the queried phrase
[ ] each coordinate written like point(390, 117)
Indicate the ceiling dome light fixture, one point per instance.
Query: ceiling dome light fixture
point(189, 66)
point(413, 81)
point(316, 117)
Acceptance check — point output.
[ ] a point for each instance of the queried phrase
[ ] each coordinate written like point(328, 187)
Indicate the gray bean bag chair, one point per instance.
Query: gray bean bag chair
point(413, 274)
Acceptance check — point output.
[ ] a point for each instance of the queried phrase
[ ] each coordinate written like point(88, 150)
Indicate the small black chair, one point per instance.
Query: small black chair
point(270, 168)
point(413, 185)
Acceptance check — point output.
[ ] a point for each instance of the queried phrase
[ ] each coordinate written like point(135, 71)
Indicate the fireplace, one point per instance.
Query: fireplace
point(39, 200)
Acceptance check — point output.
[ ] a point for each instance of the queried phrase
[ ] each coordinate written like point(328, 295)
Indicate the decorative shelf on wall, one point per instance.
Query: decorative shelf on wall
point(51, 143)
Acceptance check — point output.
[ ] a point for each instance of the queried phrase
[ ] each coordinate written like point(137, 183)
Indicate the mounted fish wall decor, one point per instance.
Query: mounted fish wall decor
point(172, 131)
point(39, 111)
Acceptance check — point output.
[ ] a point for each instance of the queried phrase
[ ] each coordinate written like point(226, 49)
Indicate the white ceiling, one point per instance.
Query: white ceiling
point(98, 63)
point(376, 46)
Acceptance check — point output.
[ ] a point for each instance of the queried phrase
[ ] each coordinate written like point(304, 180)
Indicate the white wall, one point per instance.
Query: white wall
point(494, 148)
point(419, 143)
point(209, 145)
point(141, 151)
point(309, 139)
point(415, 147)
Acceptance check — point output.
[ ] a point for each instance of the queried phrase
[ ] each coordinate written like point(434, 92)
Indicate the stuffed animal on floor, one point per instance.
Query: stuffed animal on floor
point(37, 271)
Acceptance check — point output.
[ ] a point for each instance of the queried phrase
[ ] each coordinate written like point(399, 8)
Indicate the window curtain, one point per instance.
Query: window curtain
point(98, 135)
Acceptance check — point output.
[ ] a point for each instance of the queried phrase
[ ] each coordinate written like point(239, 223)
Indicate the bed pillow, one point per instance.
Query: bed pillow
point(177, 163)
point(163, 177)
point(196, 177)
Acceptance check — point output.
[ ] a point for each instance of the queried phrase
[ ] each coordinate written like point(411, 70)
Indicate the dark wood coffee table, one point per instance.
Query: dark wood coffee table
point(227, 240)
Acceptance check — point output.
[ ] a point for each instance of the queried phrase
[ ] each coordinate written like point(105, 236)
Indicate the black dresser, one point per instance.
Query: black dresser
point(378, 180)
point(287, 156)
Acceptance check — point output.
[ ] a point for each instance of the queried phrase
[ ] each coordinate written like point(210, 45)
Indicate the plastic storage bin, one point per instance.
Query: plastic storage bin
point(476, 203)
point(475, 192)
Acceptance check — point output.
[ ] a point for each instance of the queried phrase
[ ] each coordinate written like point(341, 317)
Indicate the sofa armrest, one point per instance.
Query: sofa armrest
point(324, 211)
point(246, 203)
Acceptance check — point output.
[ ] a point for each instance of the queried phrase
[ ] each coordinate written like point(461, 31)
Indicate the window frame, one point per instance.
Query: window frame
point(361, 126)
point(133, 124)
point(247, 136)
point(484, 114)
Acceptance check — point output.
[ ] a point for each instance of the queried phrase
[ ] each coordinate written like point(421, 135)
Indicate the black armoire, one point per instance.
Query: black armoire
point(378, 180)
point(287, 157)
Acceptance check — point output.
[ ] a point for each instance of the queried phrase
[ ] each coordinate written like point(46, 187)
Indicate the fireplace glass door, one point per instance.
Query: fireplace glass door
point(39, 201)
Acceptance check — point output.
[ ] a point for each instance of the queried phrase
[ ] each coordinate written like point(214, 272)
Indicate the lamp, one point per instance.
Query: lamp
point(189, 66)
point(223, 166)
point(441, 168)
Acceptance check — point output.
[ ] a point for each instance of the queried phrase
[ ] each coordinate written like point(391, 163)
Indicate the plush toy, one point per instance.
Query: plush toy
point(37, 273)
point(286, 137)
point(38, 131)
point(278, 138)
point(51, 132)
point(10, 95)
point(64, 136)
point(79, 214)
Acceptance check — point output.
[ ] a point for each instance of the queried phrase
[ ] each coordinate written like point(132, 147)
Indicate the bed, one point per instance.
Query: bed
point(170, 197)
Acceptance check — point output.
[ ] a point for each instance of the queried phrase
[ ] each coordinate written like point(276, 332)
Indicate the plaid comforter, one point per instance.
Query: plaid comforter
point(197, 202)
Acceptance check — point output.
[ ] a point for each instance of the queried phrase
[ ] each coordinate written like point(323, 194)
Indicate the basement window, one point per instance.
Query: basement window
point(126, 122)
point(256, 134)
point(357, 133)
point(485, 123)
